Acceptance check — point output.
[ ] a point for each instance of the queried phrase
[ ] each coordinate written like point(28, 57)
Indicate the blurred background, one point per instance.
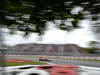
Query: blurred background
point(67, 28)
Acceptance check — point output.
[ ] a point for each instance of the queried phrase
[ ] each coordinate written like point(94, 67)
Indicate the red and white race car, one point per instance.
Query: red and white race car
point(50, 70)
point(61, 70)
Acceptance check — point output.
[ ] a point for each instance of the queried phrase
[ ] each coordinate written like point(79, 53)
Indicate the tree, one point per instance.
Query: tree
point(94, 44)
point(92, 47)
point(35, 13)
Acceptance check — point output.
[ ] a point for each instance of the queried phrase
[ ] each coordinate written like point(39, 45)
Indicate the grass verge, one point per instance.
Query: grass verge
point(21, 63)
point(90, 60)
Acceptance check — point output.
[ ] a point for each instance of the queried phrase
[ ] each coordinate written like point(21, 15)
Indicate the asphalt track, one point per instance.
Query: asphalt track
point(61, 61)
point(87, 64)
point(76, 62)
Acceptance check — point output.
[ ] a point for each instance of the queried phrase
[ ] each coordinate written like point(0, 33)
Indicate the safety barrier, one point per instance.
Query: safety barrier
point(61, 57)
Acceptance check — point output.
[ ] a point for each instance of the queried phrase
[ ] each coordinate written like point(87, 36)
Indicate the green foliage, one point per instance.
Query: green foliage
point(93, 44)
point(90, 50)
point(42, 11)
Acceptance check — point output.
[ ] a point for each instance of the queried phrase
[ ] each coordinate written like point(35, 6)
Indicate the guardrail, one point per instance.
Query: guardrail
point(61, 57)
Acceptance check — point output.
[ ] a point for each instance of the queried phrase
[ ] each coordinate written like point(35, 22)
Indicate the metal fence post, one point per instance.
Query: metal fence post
point(2, 54)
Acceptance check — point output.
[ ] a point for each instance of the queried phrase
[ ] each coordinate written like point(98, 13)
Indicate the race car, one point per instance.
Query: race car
point(53, 70)
point(45, 59)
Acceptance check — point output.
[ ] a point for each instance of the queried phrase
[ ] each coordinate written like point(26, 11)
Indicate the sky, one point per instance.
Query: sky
point(53, 35)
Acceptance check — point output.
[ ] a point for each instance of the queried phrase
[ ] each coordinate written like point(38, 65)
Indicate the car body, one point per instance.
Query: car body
point(52, 69)
point(59, 69)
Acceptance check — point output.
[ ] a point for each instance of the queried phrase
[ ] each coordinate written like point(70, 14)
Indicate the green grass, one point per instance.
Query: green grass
point(90, 60)
point(24, 63)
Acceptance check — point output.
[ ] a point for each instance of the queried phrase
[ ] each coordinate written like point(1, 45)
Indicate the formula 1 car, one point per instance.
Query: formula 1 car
point(45, 59)
point(61, 70)
point(52, 70)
